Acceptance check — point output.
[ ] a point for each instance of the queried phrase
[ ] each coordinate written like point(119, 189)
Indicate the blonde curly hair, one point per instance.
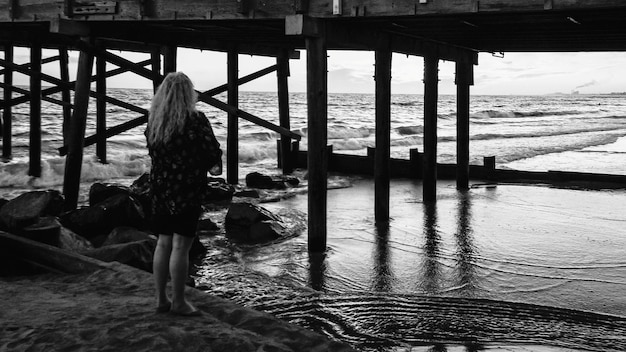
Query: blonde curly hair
point(173, 102)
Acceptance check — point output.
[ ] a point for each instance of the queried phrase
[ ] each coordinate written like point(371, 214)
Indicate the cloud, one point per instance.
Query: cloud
point(588, 84)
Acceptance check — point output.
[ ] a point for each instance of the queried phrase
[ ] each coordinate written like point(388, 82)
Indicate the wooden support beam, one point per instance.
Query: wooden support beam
point(74, 159)
point(7, 111)
point(66, 95)
point(101, 110)
point(317, 156)
point(282, 62)
point(43, 62)
point(26, 92)
point(431, 82)
point(241, 81)
point(113, 131)
point(232, 138)
point(169, 60)
point(155, 61)
point(464, 78)
point(383, 135)
point(34, 148)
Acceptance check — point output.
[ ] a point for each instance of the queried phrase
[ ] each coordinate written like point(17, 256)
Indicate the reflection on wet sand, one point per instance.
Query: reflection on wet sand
point(431, 271)
point(466, 278)
point(382, 275)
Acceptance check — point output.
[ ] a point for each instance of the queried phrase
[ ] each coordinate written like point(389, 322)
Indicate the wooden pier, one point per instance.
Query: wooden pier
point(452, 30)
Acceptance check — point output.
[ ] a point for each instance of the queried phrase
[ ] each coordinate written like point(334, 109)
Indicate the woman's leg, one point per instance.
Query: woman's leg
point(160, 268)
point(179, 270)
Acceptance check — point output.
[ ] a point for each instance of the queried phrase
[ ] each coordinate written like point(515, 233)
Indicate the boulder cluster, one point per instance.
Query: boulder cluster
point(114, 226)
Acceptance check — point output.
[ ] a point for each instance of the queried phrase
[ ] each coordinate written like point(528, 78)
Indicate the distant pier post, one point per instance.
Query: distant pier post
point(282, 74)
point(66, 92)
point(169, 59)
point(101, 106)
point(383, 135)
point(232, 138)
point(464, 79)
point(317, 156)
point(7, 111)
point(74, 158)
point(431, 82)
point(34, 166)
point(155, 58)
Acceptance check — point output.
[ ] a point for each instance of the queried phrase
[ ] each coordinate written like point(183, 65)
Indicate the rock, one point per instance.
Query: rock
point(45, 230)
point(102, 218)
point(207, 225)
point(140, 189)
point(71, 241)
point(197, 249)
point(27, 208)
point(218, 190)
point(125, 234)
point(98, 192)
point(251, 224)
point(137, 254)
point(258, 180)
point(247, 193)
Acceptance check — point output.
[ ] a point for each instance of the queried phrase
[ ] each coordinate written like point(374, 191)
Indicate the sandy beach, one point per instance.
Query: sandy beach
point(112, 309)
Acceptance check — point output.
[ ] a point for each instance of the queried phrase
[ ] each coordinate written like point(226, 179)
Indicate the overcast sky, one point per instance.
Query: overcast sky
point(352, 72)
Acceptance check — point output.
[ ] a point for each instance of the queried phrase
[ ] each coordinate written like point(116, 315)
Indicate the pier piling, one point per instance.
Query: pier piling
point(431, 82)
point(7, 111)
point(383, 134)
point(232, 139)
point(317, 156)
point(34, 150)
point(464, 78)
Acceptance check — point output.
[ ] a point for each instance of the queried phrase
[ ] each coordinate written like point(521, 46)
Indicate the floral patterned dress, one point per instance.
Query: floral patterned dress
point(178, 178)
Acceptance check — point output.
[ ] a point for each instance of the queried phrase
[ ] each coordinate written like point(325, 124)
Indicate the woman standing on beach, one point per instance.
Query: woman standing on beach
point(183, 149)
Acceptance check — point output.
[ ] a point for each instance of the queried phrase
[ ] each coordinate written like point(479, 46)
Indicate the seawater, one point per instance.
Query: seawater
point(540, 275)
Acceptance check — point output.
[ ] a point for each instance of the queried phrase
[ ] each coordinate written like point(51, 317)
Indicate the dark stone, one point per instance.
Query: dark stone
point(258, 180)
point(125, 234)
point(140, 189)
point(45, 230)
point(251, 224)
point(27, 208)
point(137, 254)
point(72, 242)
point(102, 218)
point(197, 249)
point(218, 190)
point(207, 225)
point(247, 193)
point(99, 192)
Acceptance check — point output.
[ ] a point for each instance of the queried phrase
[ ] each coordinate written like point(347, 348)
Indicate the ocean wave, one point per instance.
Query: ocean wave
point(502, 114)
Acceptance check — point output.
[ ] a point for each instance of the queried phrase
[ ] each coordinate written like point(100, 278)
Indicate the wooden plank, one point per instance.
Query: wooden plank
point(382, 76)
point(317, 157)
point(74, 159)
point(65, 261)
point(7, 111)
point(34, 148)
point(232, 138)
point(431, 82)
point(169, 62)
point(241, 81)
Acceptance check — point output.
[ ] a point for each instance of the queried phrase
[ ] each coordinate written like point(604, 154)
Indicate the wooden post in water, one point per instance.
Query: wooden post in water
point(66, 94)
point(464, 78)
point(101, 106)
point(317, 156)
point(431, 78)
point(383, 135)
point(7, 112)
point(282, 73)
point(74, 158)
point(232, 138)
point(34, 149)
